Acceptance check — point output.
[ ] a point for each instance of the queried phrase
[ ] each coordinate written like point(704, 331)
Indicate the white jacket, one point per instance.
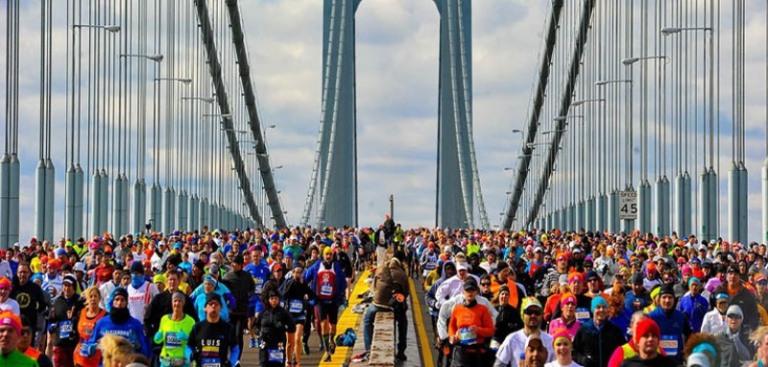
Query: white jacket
point(714, 322)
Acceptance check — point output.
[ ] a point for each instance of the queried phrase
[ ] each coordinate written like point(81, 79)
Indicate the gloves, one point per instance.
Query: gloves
point(158, 338)
point(87, 350)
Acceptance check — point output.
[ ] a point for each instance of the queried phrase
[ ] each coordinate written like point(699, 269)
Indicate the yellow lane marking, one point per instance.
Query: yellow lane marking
point(426, 348)
point(349, 319)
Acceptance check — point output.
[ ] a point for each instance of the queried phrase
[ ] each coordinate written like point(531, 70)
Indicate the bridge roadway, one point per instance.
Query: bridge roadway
point(420, 351)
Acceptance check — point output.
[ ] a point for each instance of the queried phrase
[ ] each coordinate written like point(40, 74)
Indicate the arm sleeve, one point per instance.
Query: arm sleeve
point(452, 324)
point(616, 358)
point(487, 329)
point(442, 319)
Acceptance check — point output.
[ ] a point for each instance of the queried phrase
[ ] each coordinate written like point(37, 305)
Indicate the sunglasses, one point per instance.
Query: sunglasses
point(530, 312)
point(485, 284)
point(733, 316)
point(619, 277)
point(592, 280)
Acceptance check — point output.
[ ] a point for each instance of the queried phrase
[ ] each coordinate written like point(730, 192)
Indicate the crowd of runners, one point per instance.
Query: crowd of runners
point(497, 298)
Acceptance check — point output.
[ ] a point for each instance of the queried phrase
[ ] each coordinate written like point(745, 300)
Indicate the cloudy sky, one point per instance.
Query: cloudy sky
point(397, 69)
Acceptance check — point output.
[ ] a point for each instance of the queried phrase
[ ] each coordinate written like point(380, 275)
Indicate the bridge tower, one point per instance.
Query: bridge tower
point(458, 184)
point(333, 186)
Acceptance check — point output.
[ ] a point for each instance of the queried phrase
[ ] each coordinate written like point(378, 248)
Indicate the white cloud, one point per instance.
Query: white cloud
point(397, 65)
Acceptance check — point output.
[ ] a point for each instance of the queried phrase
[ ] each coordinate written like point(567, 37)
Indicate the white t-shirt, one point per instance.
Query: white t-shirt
point(10, 305)
point(138, 299)
point(514, 344)
point(106, 290)
point(555, 364)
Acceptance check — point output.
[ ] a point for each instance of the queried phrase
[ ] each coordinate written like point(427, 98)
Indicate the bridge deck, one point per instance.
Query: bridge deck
point(420, 337)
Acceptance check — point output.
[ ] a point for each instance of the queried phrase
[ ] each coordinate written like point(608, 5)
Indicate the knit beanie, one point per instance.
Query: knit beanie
point(644, 327)
point(597, 301)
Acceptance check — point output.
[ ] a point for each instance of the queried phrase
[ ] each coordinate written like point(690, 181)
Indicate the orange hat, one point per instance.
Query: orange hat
point(8, 318)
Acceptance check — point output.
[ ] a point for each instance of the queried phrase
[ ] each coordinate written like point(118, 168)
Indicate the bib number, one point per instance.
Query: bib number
point(582, 314)
point(259, 285)
point(326, 290)
point(669, 344)
point(275, 355)
point(295, 306)
point(467, 337)
point(172, 340)
point(65, 329)
point(211, 362)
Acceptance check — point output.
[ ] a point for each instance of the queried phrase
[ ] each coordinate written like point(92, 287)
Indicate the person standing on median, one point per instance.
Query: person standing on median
point(390, 285)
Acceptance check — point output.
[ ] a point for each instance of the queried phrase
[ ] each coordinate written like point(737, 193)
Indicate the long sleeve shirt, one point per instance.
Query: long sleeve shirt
point(463, 317)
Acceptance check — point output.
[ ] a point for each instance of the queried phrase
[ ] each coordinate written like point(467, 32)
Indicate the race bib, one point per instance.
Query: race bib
point(430, 266)
point(669, 344)
point(582, 314)
point(295, 306)
point(326, 290)
point(172, 340)
point(65, 329)
point(259, 284)
point(467, 337)
point(210, 362)
point(275, 355)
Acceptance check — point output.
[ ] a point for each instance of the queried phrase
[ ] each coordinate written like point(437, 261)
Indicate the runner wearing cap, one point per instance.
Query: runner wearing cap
point(734, 343)
point(453, 286)
point(173, 333)
point(10, 331)
point(563, 348)
point(742, 297)
point(118, 322)
point(583, 302)
point(327, 279)
point(6, 302)
point(62, 333)
point(674, 325)
point(212, 340)
point(515, 344)
point(715, 320)
point(140, 291)
point(646, 337)
point(597, 338)
point(469, 326)
point(694, 305)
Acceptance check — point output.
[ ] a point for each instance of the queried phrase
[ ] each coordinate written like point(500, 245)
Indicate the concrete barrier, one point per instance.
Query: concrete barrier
point(383, 344)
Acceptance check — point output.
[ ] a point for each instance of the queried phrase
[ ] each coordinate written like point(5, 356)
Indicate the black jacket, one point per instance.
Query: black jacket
point(592, 347)
point(64, 328)
point(507, 321)
point(272, 324)
point(242, 287)
point(30, 298)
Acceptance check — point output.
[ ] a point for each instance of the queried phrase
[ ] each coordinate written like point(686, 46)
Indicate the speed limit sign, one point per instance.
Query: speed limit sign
point(627, 205)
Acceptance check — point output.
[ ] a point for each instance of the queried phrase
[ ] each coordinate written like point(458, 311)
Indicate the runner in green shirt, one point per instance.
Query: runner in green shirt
point(10, 331)
point(173, 334)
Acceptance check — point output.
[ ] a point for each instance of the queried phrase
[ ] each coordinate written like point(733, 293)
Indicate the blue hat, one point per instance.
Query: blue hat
point(597, 301)
point(60, 252)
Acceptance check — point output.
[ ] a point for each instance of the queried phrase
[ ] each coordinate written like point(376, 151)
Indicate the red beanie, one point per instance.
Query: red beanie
point(644, 327)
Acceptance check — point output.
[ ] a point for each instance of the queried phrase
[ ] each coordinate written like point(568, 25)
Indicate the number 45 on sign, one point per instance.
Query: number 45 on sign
point(628, 205)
